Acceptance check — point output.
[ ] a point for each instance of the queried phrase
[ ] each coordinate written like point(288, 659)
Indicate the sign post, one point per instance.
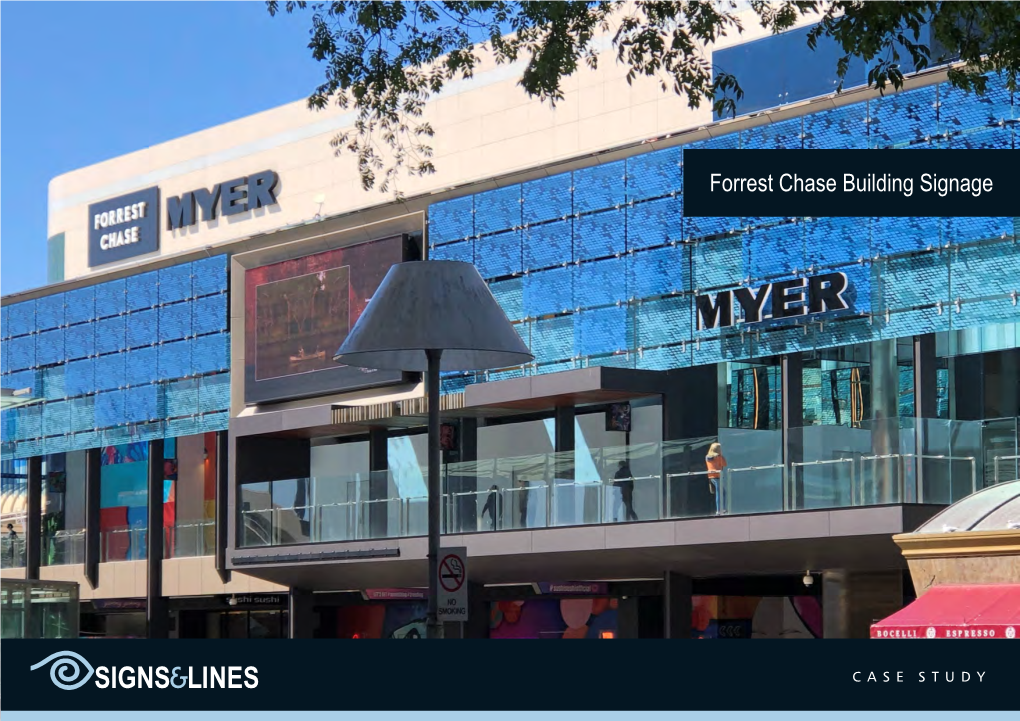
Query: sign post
point(452, 584)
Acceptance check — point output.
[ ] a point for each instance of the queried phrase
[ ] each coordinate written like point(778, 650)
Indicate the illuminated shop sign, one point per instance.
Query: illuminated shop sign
point(790, 299)
point(129, 225)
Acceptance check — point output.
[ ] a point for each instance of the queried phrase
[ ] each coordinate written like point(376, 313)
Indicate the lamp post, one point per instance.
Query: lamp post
point(432, 316)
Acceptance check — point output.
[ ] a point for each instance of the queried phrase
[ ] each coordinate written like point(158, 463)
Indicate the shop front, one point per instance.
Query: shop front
point(965, 565)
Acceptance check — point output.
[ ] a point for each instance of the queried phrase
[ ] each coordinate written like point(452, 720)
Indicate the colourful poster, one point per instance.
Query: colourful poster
point(551, 618)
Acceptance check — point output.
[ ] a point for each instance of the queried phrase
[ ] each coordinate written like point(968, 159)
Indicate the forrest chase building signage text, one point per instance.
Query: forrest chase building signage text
point(790, 299)
point(129, 225)
point(124, 227)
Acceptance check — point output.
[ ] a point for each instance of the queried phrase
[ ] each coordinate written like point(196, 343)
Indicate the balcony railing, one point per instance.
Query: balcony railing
point(826, 467)
point(63, 548)
point(190, 539)
point(13, 552)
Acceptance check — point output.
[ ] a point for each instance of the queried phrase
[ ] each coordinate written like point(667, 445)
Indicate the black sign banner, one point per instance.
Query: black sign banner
point(850, 183)
point(308, 675)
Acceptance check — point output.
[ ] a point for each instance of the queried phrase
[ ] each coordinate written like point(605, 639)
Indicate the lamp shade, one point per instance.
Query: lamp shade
point(433, 305)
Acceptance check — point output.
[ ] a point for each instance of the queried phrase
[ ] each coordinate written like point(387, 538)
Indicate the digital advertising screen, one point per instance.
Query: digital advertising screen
point(297, 314)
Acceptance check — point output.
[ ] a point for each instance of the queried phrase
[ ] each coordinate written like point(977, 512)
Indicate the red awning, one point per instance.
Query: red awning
point(991, 611)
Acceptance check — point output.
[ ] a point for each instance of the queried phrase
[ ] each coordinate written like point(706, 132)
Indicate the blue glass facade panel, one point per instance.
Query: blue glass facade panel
point(49, 347)
point(174, 360)
point(214, 393)
point(80, 341)
point(209, 275)
point(499, 254)
point(600, 282)
point(53, 382)
point(510, 296)
point(899, 270)
point(142, 328)
point(210, 353)
point(548, 291)
point(552, 339)
point(653, 175)
point(548, 244)
point(497, 210)
point(99, 359)
point(21, 318)
point(208, 315)
point(142, 291)
point(111, 298)
point(80, 377)
point(175, 283)
point(452, 220)
point(20, 353)
point(548, 199)
point(80, 305)
point(904, 118)
point(603, 330)
point(140, 365)
point(600, 187)
point(49, 312)
point(655, 222)
point(174, 321)
point(598, 235)
point(463, 250)
point(658, 271)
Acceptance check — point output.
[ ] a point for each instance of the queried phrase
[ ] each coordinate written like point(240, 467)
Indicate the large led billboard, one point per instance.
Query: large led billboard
point(299, 311)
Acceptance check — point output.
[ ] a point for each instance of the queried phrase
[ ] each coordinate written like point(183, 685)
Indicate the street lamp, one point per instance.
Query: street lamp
point(432, 316)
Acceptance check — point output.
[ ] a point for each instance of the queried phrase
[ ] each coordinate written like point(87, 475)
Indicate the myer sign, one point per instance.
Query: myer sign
point(127, 226)
point(790, 299)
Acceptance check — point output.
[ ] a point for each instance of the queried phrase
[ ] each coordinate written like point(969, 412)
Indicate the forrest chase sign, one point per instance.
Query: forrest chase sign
point(790, 299)
point(129, 225)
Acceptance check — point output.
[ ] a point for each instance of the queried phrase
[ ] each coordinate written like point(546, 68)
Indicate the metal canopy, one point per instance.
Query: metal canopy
point(433, 305)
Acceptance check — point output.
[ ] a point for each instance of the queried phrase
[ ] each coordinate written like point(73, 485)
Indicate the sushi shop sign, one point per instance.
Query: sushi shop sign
point(129, 225)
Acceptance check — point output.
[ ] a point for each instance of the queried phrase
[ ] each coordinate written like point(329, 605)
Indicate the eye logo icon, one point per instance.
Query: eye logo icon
point(66, 669)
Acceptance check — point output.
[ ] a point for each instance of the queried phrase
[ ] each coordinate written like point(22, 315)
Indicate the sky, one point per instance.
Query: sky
point(83, 82)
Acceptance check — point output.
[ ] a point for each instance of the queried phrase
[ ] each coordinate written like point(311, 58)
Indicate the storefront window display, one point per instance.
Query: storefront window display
point(550, 618)
point(778, 617)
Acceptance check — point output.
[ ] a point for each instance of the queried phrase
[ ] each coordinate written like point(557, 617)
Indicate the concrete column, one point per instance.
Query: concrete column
point(891, 477)
point(478, 613)
point(222, 504)
point(690, 409)
point(301, 614)
point(1002, 384)
point(378, 484)
point(93, 531)
point(33, 520)
point(157, 607)
point(564, 446)
point(678, 605)
point(792, 370)
point(852, 601)
point(628, 618)
point(925, 400)
point(465, 509)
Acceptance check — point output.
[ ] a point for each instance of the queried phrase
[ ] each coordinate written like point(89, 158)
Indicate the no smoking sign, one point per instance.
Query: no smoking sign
point(452, 581)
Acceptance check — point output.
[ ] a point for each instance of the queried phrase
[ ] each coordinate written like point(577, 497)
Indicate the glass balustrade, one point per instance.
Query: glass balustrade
point(187, 540)
point(12, 552)
point(822, 467)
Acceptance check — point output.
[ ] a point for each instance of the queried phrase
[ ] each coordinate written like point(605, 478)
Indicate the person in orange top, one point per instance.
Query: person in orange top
point(715, 462)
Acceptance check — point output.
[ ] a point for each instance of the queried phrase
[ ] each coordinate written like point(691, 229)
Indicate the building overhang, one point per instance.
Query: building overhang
point(516, 396)
point(766, 544)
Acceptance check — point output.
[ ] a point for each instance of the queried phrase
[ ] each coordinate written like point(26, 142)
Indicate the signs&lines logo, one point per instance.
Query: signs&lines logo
point(66, 669)
point(71, 671)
